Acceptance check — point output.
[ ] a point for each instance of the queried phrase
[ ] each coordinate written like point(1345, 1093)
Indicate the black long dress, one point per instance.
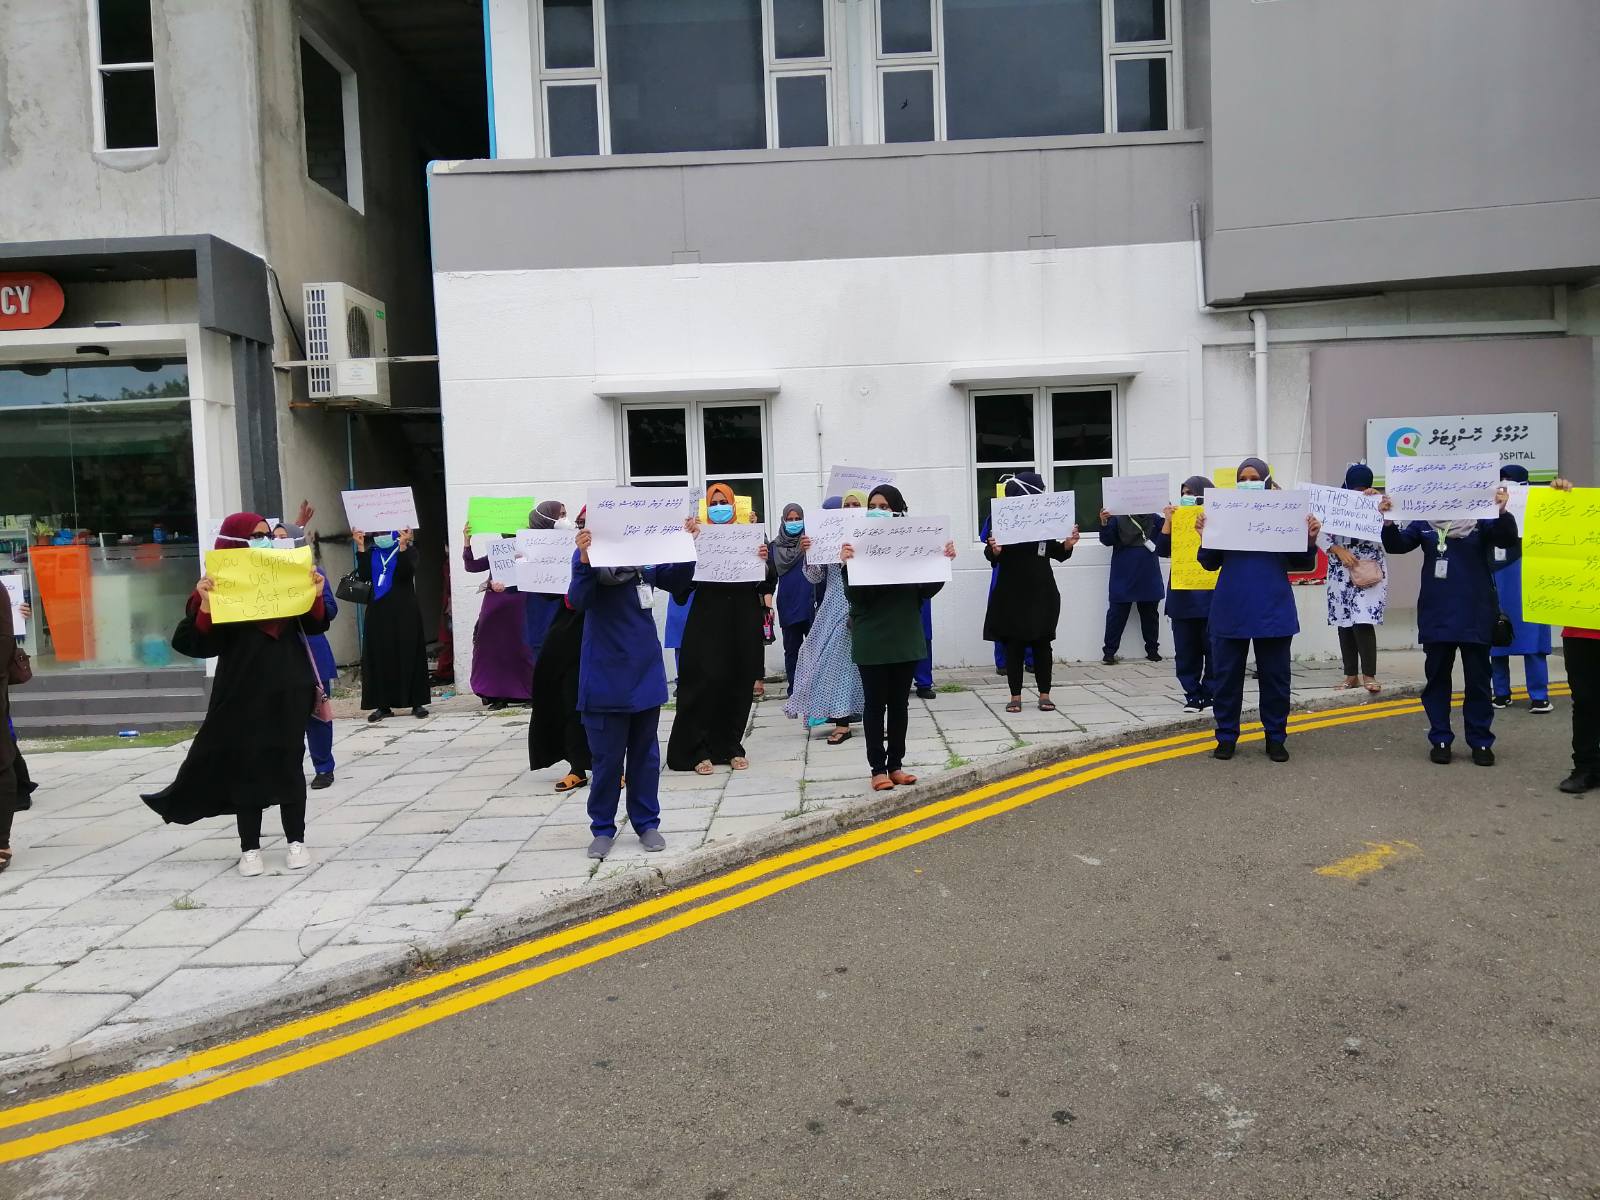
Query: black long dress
point(719, 662)
point(1025, 603)
point(394, 654)
point(555, 730)
point(250, 748)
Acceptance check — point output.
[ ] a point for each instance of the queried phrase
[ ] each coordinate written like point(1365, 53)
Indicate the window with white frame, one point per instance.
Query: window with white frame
point(644, 76)
point(698, 443)
point(122, 47)
point(1067, 435)
point(955, 69)
point(331, 115)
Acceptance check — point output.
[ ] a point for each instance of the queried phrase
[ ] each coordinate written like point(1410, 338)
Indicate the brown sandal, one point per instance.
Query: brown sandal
point(704, 767)
point(903, 778)
point(882, 783)
point(5, 859)
point(572, 780)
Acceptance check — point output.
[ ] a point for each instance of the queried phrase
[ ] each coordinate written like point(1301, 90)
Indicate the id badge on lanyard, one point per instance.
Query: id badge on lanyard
point(647, 595)
point(1441, 567)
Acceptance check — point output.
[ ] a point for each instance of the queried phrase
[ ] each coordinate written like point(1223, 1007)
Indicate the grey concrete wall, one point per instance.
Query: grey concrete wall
point(204, 178)
point(844, 202)
point(1371, 142)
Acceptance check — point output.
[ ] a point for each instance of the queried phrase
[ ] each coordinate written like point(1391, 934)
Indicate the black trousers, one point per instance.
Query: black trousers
point(1149, 624)
point(793, 635)
point(1358, 646)
point(1016, 656)
point(294, 825)
point(8, 802)
point(885, 714)
point(1583, 673)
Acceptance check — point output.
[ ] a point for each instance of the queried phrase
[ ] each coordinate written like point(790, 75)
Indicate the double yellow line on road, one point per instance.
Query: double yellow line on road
point(448, 993)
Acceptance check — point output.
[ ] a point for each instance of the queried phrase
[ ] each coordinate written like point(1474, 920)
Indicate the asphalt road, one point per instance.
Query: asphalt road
point(1138, 988)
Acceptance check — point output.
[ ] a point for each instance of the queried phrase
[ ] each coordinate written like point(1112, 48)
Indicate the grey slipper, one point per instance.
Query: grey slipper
point(652, 840)
point(600, 847)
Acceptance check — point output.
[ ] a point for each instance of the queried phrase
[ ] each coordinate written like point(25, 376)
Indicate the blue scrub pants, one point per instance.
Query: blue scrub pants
point(618, 743)
point(1191, 644)
point(793, 635)
point(1439, 660)
point(319, 739)
point(922, 676)
point(1535, 667)
point(1149, 625)
point(1272, 662)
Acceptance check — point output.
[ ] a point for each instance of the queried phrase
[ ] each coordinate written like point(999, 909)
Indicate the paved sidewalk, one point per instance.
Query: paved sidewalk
point(115, 929)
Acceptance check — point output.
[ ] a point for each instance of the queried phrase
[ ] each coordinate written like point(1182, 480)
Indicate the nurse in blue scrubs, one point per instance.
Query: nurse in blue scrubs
point(1189, 611)
point(1532, 642)
point(1254, 602)
point(621, 688)
point(1456, 613)
point(1135, 580)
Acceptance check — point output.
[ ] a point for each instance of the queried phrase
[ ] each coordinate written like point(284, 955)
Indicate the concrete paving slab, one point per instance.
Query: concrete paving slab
point(117, 971)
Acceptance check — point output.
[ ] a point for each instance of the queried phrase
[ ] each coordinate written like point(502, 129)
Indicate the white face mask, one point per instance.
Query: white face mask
point(563, 523)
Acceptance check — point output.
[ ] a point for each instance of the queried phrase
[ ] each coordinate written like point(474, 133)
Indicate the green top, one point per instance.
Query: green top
point(886, 622)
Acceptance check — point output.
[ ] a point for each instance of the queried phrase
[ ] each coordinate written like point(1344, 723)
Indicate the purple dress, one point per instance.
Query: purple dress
point(502, 665)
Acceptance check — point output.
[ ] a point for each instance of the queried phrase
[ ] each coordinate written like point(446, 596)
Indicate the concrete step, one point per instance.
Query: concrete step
point(102, 723)
point(155, 701)
point(132, 679)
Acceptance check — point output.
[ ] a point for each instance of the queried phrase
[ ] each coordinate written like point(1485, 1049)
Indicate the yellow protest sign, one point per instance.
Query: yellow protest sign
point(1561, 558)
point(743, 511)
point(1187, 573)
point(259, 585)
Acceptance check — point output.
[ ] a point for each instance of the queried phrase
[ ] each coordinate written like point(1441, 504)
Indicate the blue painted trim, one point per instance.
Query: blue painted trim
point(488, 70)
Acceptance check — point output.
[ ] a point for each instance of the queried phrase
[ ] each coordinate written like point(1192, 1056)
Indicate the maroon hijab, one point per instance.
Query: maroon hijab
point(235, 532)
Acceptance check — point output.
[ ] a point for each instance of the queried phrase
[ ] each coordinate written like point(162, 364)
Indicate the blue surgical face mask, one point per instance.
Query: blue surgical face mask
point(879, 512)
point(383, 541)
point(1252, 485)
point(793, 528)
point(720, 514)
point(1188, 501)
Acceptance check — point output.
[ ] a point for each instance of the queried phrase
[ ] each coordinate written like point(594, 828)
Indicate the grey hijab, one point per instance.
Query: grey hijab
point(785, 549)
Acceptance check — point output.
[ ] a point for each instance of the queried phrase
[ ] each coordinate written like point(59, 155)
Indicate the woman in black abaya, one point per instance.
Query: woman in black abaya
point(394, 655)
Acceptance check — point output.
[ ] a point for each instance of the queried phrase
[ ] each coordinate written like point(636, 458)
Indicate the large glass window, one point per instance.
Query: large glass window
point(1022, 68)
point(97, 505)
point(1067, 435)
point(696, 444)
point(122, 42)
point(644, 76)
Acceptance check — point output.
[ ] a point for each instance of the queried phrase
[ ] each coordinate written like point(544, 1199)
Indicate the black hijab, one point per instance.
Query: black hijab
point(897, 502)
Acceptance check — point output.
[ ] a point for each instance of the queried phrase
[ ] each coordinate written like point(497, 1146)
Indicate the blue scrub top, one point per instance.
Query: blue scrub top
point(620, 670)
point(321, 652)
point(541, 610)
point(797, 595)
point(1135, 573)
point(1253, 597)
point(1183, 604)
point(1461, 607)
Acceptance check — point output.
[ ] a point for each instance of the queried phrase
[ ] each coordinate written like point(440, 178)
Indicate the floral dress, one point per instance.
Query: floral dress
point(1347, 604)
point(827, 685)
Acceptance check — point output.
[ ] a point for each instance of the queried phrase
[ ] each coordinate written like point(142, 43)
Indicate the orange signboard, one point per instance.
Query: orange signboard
point(29, 300)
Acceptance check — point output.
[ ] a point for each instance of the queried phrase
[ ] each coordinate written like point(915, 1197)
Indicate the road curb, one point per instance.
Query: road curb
point(161, 1041)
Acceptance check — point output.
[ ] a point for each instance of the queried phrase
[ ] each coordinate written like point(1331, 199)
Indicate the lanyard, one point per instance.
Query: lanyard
point(383, 562)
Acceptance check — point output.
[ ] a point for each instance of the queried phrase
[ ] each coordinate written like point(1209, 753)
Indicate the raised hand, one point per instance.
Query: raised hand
point(584, 540)
point(763, 553)
point(305, 515)
point(360, 540)
point(204, 587)
point(949, 549)
point(1073, 540)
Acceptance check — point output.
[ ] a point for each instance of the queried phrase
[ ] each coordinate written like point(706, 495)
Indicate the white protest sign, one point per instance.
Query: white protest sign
point(380, 510)
point(845, 479)
point(730, 554)
point(1346, 513)
point(1046, 517)
point(1135, 495)
point(827, 530)
point(1441, 488)
point(544, 560)
point(1251, 520)
point(640, 526)
point(503, 560)
point(1516, 501)
point(899, 550)
point(13, 587)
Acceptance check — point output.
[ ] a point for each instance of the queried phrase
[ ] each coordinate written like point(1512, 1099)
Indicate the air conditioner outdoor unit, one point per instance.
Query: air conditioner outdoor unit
point(347, 337)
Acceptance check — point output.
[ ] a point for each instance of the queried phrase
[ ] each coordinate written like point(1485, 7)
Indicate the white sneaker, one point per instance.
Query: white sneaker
point(250, 864)
point(299, 857)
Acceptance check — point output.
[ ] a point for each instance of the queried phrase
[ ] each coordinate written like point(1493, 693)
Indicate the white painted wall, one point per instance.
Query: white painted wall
point(874, 341)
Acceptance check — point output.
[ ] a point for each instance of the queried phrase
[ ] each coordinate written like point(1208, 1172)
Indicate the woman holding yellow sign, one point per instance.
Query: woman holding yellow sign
point(247, 755)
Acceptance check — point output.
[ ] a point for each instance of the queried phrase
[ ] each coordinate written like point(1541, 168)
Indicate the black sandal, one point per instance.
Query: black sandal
point(1046, 705)
point(839, 737)
point(1014, 706)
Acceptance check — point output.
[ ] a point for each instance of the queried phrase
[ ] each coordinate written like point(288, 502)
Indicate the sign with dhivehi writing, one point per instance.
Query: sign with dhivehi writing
point(1444, 488)
point(730, 554)
point(639, 526)
point(384, 510)
point(544, 560)
point(1561, 558)
point(898, 550)
point(1251, 520)
point(848, 479)
point(259, 585)
point(1135, 495)
point(1187, 573)
point(1046, 517)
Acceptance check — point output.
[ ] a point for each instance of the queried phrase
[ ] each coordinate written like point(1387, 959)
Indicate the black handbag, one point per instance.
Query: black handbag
point(353, 589)
point(1504, 632)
